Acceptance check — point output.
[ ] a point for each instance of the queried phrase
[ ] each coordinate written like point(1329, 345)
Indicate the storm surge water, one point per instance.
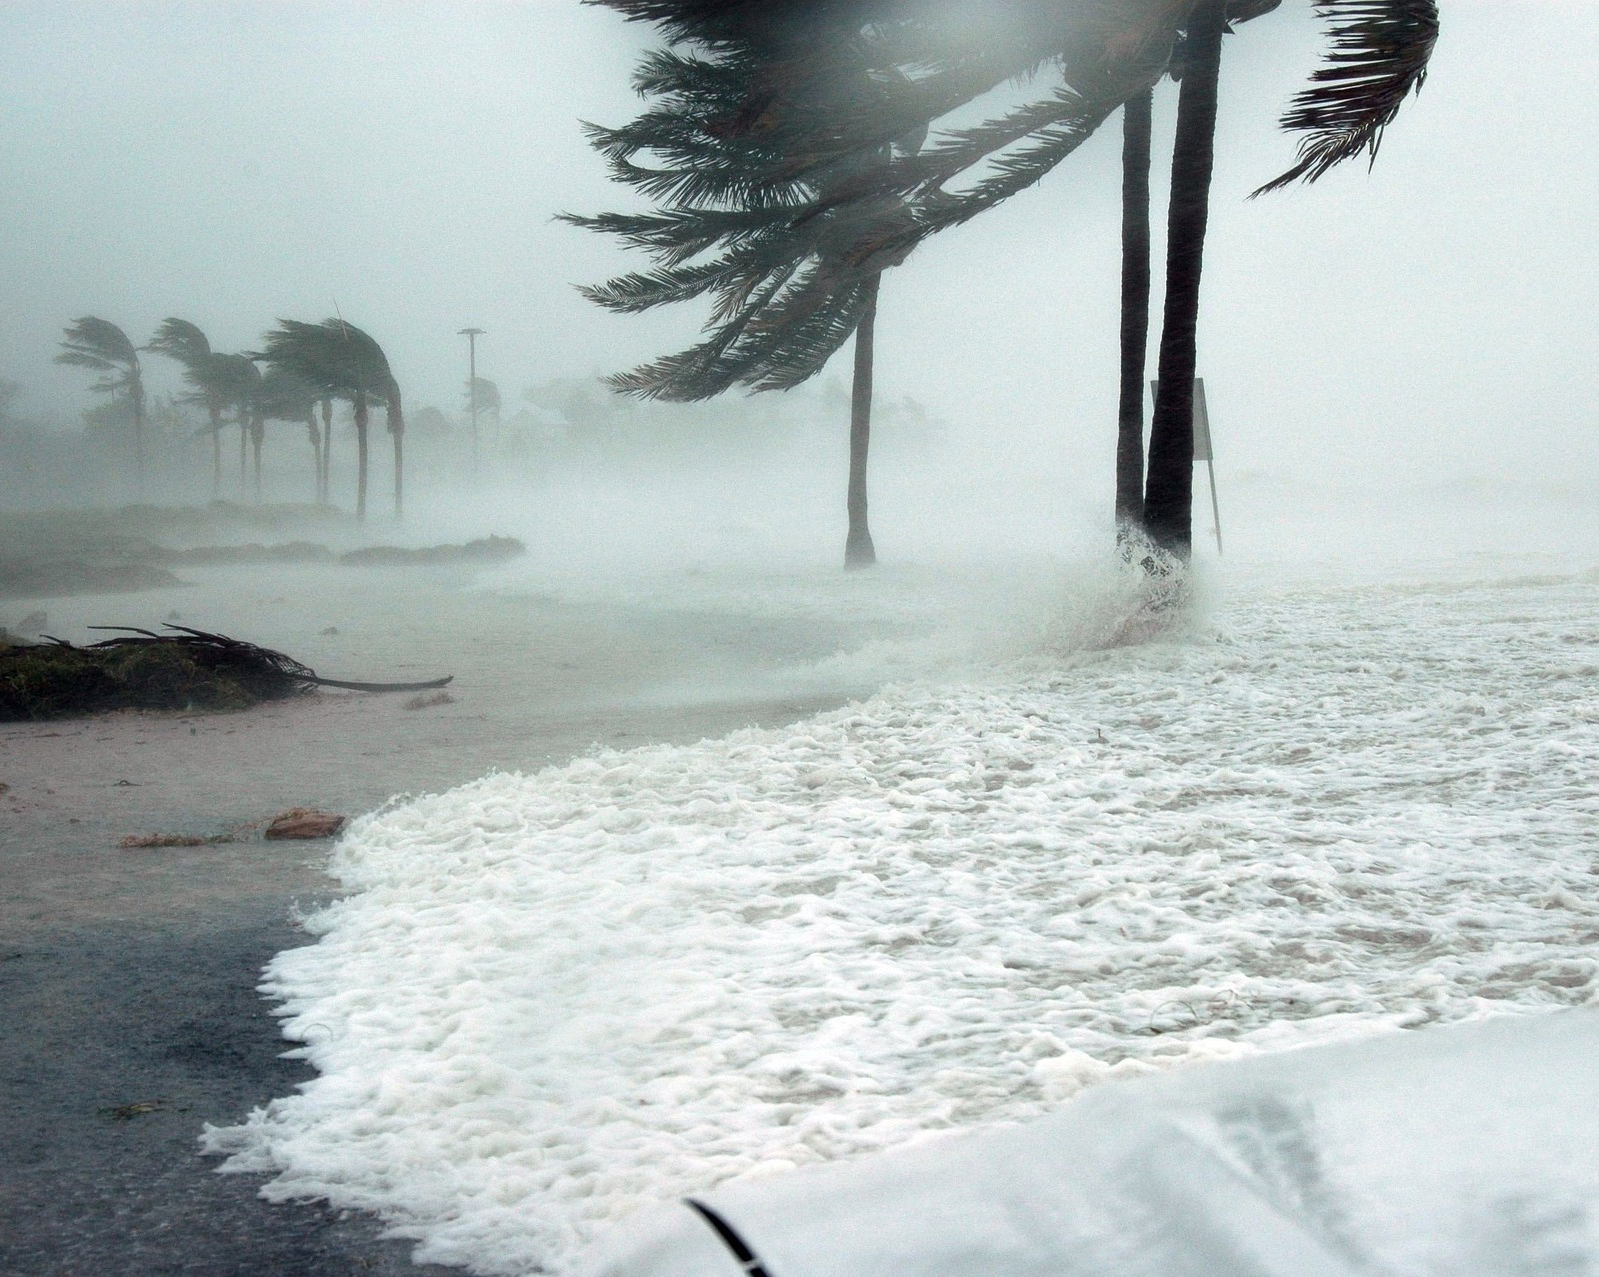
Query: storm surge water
point(1314, 813)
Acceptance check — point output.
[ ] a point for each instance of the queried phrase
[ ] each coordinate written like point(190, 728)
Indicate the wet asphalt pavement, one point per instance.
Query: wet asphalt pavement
point(120, 1040)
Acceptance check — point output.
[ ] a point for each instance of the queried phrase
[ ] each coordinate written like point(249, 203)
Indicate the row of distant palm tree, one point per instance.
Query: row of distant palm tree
point(307, 366)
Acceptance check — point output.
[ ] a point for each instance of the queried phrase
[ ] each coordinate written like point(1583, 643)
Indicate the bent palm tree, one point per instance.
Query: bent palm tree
point(286, 397)
point(699, 124)
point(239, 382)
point(782, 61)
point(340, 361)
point(208, 379)
point(101, 346)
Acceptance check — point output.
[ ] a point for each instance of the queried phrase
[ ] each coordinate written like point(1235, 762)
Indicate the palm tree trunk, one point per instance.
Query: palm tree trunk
point(137, 388)
point(257, 435)
point(396, 419)
point(244, 451)
point(359, 404)
point(1169, 492)
point(859, 552)
point(1136, 117)
point(316, 451)
point(216, 451)
point(325, 493)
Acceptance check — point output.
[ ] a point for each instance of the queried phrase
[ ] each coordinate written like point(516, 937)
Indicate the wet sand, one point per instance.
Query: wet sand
point(127, 977)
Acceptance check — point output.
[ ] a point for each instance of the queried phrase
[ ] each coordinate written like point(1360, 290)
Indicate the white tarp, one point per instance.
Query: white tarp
point(1471, 1151)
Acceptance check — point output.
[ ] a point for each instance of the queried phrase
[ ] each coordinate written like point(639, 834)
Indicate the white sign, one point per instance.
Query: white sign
point(1202, 450)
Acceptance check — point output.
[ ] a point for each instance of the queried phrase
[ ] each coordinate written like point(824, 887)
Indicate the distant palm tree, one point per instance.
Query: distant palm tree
point(324, 485)
point(100, 345)
point(239, 382)
point(180, 340)
point(287, 397)
point(340, 361)
point(482, 395)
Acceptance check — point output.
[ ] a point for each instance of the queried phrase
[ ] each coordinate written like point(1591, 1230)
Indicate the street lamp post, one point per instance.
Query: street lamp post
point(471, 335)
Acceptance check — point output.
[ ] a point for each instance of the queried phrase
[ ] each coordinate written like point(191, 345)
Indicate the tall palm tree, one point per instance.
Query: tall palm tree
point(340, 361)
point(98, 344)
point(697, 125)
point(1097, 55)
point(207, 377)
point(1169, 485)
point(1137, 114)
point(859, 551)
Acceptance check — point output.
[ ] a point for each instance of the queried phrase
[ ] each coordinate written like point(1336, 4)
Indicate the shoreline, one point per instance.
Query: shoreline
point(130, 975)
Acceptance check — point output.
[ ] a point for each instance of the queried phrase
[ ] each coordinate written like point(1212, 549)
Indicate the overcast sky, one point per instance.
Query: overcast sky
point(235, 161)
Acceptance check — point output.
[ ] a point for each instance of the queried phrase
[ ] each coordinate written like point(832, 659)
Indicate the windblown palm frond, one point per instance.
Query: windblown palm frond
point(235, 379)
point(285, 396)
point(99, 345)
point(208, 376)
point(1380, 51)
point(488, 394)
point(786, 150)
point(180, 340)
point(335, 357)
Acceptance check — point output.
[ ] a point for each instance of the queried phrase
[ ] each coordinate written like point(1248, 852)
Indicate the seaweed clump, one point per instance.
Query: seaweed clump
point(188, 669)
point(143, 671)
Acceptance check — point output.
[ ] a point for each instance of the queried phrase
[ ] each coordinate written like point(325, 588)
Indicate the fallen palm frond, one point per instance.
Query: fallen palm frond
point(140, 669)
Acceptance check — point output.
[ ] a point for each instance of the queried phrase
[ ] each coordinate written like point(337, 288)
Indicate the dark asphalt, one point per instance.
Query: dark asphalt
point(120, 1041)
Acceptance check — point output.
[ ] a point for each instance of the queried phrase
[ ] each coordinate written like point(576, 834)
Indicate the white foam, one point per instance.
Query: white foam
point(554, 999)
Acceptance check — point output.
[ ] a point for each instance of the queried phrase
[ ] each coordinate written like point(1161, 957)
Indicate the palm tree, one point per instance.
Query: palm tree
point(237, 381)
point(859, 551)
point(340, 361)
point(783, 62)
point(1169, 485)
point(207, 377)
point(695, 126)
point(324, 485)
point(1137, 114)
point(100, 345)
point(483, 394)
point(287, 397)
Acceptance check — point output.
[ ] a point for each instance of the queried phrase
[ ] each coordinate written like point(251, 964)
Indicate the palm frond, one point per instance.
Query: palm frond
point(100, 346)
point(180, 340)
point(1379, 55)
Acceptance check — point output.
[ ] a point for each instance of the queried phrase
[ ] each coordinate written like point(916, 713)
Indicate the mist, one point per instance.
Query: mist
point(1404, 344)
point(674, 856)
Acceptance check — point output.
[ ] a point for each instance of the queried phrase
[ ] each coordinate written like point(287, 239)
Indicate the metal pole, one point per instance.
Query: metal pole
point(1208, 451)
point(1215, 509)
point(471, 335)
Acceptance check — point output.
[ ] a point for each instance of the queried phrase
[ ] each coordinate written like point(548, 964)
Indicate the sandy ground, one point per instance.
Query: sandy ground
point(127, 977)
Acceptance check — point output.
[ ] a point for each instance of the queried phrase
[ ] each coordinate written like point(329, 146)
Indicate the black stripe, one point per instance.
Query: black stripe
point(730, 1238)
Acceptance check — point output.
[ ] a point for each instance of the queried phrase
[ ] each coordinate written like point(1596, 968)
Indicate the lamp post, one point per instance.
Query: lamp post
point(471, 335)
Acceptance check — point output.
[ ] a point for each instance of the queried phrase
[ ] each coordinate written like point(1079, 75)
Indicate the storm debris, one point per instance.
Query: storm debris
point(139, 669)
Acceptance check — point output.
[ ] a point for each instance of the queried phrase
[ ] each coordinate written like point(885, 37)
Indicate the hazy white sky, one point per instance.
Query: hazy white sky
point(236, 161)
